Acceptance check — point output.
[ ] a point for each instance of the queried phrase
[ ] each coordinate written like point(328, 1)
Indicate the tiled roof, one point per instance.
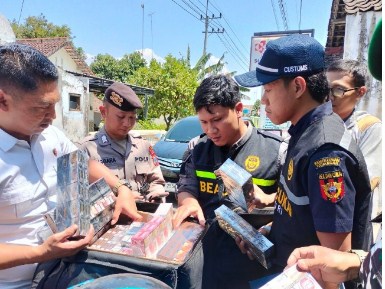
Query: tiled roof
point(354, 6)
point(49, 46)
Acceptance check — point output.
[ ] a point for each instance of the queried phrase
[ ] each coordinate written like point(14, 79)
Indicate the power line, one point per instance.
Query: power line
point(275, 14)
point(300, 15)
point(21, 10)
point(282, 8)
point(192, 8)
point(185, 10)
point(199, 9)
point(229, 26)
point(231, 51)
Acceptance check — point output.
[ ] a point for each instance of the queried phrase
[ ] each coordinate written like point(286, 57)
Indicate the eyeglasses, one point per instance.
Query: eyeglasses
point(339, 91)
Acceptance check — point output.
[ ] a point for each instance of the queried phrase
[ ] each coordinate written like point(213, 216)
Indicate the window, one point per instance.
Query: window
point(75, 102)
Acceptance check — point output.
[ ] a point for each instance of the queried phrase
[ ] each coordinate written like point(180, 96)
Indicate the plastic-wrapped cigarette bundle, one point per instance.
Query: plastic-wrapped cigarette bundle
point(235, 225)
point(73, 203)
point(238, 183)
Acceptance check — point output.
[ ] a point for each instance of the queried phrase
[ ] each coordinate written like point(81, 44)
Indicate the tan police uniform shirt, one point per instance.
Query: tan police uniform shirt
point(138, 163)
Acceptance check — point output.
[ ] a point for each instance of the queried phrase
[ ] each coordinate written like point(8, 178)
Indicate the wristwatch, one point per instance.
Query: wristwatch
point(122, 182)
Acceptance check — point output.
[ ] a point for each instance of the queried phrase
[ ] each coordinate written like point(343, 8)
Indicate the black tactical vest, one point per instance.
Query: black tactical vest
point(294, 228)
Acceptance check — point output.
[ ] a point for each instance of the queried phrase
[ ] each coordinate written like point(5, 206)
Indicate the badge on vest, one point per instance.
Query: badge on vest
point(104, 139)
point(290, 170)
point(252, 163)
point(332, 186)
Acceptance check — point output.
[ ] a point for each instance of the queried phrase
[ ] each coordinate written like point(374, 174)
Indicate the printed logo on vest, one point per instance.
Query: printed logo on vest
point(290, 170)
point(332, 186)
point(252, 163)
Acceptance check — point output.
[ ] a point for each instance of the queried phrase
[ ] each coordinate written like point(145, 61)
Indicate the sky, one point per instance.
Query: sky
point(162, 27)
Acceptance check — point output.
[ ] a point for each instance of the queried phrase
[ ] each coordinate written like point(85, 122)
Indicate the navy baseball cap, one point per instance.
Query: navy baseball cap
point(293, 55)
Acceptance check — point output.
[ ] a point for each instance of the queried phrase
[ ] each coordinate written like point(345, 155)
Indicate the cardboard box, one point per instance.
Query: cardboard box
point(235, 225)
point(83, 204)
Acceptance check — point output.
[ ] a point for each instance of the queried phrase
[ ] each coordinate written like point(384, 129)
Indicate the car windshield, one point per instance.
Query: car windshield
point(184, 131)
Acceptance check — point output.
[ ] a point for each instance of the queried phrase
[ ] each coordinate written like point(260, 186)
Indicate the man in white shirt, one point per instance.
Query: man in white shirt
point(29, 148)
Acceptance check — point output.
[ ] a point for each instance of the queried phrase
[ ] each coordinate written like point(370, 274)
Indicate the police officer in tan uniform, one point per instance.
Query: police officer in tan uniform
point(131, 158)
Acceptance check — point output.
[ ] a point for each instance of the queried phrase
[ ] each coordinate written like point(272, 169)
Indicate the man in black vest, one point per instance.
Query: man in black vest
point(217, 102)
point(323, 194)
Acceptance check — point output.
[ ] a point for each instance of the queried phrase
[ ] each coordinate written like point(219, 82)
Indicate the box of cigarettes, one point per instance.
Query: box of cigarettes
point(181, 242)
point(147, 241)
point(73, 203)
point(237, 181)
point(235, 225)
point(292, 279)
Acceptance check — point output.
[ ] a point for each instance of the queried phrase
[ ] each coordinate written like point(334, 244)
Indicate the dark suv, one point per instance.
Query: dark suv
point(171, 147)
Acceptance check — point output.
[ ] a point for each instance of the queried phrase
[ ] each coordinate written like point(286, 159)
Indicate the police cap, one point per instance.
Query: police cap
point(122, 97)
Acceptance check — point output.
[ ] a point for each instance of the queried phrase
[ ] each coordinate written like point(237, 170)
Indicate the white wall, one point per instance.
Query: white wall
point(73, 123)
point(63, 60)
point(358, 31)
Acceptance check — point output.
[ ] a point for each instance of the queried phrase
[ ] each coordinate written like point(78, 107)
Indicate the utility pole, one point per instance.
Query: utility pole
point(142, 5)
point(207, 18)
point(152, 44)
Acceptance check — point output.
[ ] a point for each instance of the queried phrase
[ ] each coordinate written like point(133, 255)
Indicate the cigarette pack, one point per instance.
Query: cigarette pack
point(73, 203)
point(181, 242)
point(292, 279)
point(235, 225)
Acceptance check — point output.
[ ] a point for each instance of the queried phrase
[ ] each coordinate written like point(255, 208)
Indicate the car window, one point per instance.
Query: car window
point(184, 131)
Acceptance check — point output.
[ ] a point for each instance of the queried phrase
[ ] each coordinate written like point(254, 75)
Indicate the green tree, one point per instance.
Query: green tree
point(107, 66)
point(39, 27)
point(256, 107)
point(174, 83)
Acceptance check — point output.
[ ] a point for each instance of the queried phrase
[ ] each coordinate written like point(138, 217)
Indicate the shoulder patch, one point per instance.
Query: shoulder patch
point(153, 156)
point(367, 121)
point(332, 186)
point(88, 138)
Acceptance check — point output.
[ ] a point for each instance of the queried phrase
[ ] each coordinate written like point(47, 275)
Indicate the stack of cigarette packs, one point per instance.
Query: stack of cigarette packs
point(73, 202)
point(235, 225)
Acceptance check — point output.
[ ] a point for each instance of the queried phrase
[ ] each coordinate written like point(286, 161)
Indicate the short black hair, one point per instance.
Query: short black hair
point(23, 67)
point(357, 70)
point(317, 84)
point(217, 89)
